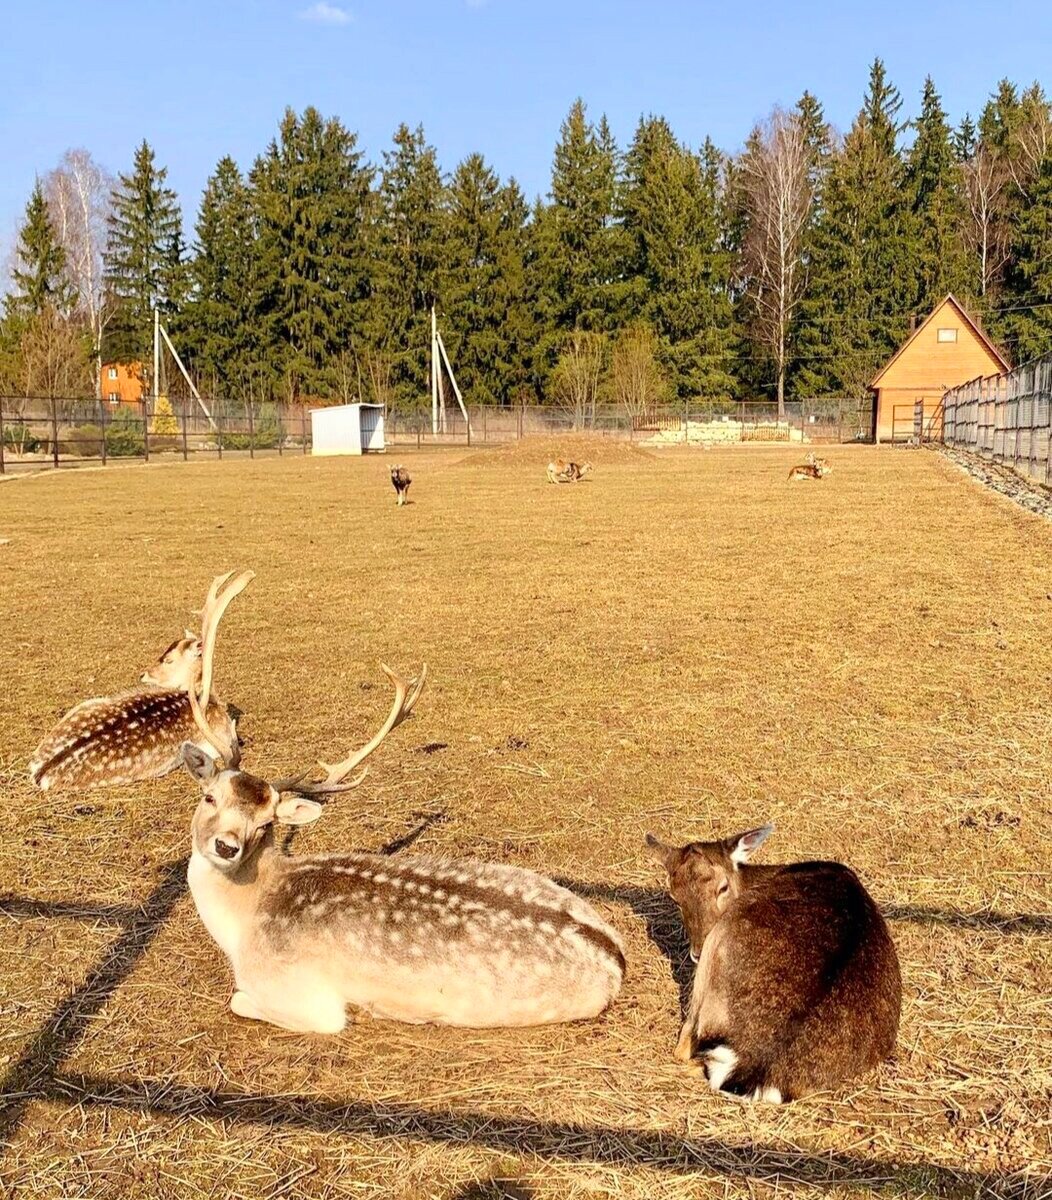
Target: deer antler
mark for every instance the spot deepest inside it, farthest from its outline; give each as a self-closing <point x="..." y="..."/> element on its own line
<point x="219" y="596"/>
<point x="407" y="692"/>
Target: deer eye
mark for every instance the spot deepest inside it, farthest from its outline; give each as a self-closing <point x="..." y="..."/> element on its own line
<point x="723" y="887"/>
<point x="209" y="799"/>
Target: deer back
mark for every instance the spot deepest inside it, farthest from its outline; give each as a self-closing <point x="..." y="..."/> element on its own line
<point x="428" y="939"/>
<point x="801" y="979"/>
<point x="136" y="734"/>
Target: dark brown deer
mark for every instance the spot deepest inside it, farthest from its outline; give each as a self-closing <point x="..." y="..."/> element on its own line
<point x="401" y="481"/>
<point x="139" y="733"/>
<point x="414" y="938"/>
<point x="797" y="987"/>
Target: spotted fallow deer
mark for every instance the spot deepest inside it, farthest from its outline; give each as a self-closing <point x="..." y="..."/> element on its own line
<point x="139" y="733"/>
<point x="797" y="986"/>
<point x="561" y="470"/>
<point x="413" y="938"/>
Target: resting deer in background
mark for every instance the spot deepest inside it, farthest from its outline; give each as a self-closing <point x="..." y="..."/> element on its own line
<point x="413" y="938"/>
<point x="401" y="480"/>
<point x="797" y="987"/>
<point x="562" y="471"/>
<point x="139" y="733"/>
<point x="822" y="464"/>
<point x="805" y="471"/>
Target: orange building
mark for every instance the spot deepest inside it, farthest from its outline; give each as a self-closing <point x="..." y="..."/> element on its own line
<point x="122" y="383"/>
<point x="947" y="349"/>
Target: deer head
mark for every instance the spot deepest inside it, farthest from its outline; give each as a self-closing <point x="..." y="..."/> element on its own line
<point x="704" y="878"/>
<point x="179" y="667"/>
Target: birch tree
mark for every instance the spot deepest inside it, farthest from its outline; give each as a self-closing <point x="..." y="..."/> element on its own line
<point x="78" y="193"/>
<point x="776" y="195"/>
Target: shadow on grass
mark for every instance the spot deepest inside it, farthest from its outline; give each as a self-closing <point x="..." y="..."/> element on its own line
<point x="554" y="1141"/>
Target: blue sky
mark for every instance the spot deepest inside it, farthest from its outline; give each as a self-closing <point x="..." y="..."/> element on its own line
<point x="203" y="78"/>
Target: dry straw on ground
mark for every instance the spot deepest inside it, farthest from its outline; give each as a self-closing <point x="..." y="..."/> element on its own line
<point x="684" y="642"/>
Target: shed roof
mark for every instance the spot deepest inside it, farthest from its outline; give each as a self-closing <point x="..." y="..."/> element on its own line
<point x="968" y="320"/>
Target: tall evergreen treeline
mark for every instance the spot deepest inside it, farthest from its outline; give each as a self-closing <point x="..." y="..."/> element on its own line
<point x="791" y="269"/>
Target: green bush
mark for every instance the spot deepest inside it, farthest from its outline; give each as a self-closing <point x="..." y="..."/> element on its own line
<point x="124" y="437"/>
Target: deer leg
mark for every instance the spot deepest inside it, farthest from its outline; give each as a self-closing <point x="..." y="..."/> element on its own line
<point x="319" y="1015"/>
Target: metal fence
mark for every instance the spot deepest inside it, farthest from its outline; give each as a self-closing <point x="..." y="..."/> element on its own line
<point x="1004" y="418"/>
<point x="39" y="433"/>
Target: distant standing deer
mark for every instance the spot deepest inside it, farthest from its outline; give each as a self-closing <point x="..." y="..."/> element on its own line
<point x="401" y="480"/>
<point x="414" y="938"/>
<point x="562" y="471"/>
<point x="797" y="987"/>
<point x="139" y="733"/>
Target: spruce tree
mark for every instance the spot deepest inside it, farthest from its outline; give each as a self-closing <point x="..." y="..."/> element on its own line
<point x="219" y="324"/>
<point x="861" y="284"/>
<point x="934" y="184"/>
<point x="39" y="276"/>
<point x="676" y="264"/>
<point x="583" y="243"/>
<point x="486" y="322"/>
<point x="311" y="199"/>
<point x="144" y="263"/>
<point x="408" y="236"/>
<point x="1028" y="325"/>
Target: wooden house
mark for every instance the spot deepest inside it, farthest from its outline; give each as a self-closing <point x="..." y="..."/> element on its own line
<point x="122" y="382"/>
<point x="946" y="349"/>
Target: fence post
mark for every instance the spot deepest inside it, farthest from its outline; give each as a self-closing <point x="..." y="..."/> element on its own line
<point x="3" y="467"/>
<point x="521" y="411"/>
<point x="145" y="431"/>
<point x="303" y="428"/>
<point x="185" y="447"/>
<point x="251" y="433"/>
<point x="102" y="426"/>
<point x="218" y="410"/>
<point x="686" y="421"/>
<point x="54" y="431"/>
<point x="484" y="435"/>
<point x="279" y="409"/>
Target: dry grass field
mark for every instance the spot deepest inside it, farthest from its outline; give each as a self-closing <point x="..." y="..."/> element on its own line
<point x="684" y="643"/>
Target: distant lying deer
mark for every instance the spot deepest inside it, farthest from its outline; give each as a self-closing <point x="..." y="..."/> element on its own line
<point x="562" y="471"/>
<point x="797" y="987"/>
<point x="805" y="471"/>
<point x="139" y="733"/>
<point x="401" y="480"/>
<point x="414" y="938"/>
<point x="814" y="461"/>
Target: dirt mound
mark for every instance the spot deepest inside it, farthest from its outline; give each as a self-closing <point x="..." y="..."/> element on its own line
<point x="540" y="449"/>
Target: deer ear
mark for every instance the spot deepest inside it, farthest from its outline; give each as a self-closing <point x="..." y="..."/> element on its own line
<point x="669" y="856"/>
<point x="742" y="846"/>
<point x="201" y="766"/>
<point x="297" y="810"/>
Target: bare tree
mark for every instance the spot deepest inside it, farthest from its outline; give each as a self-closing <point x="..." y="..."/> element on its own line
<point x="635" y="375"/>
<point x="577" y="376"/>
<point x="378" y="368"/>
<point x="986" y="179"/>
<point x="777" y="197"/>
<point x="55" y="362"/>
<point x="78" y="193"/>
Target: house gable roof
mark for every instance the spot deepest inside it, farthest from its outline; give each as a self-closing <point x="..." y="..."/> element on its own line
<point x="965" y="317"/>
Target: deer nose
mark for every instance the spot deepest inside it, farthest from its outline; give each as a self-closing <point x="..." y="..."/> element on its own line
<point x="226" y="850"/>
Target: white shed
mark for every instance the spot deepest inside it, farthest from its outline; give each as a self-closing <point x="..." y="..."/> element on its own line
<point x="347" y="429"/>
